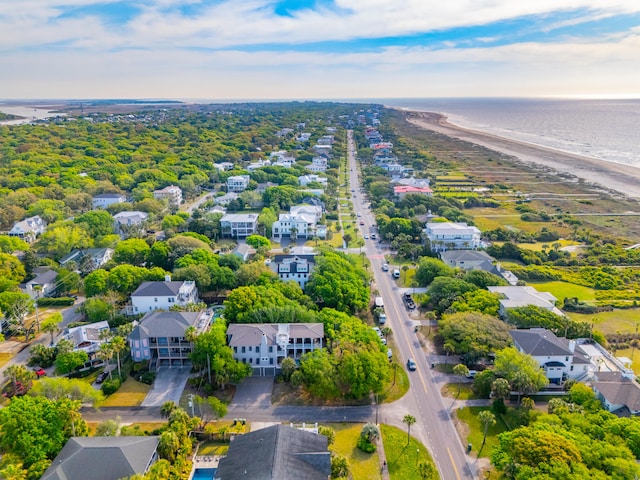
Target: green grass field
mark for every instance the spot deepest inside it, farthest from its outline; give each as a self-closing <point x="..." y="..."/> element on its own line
<point x="475" y="430"/>
<point x="397" y="390"/>
<point x="623" y="321"/>
<point x="362" y="466"/>
<point x="130" y="394"/>
<point x="402" y="458"/>
<point x="561" y="290"/>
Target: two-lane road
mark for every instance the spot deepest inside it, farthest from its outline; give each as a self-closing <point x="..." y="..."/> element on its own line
<point x="434" y="426"/>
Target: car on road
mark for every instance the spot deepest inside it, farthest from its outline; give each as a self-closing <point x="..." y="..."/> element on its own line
<point x="385" y="267"/>
<point x="102" y="377"/>
<point x="361" y="222"/>
<point x="359" y="214"/>
<point x="366" y="237"/>
<point x="411" y="365"/>
<point x="39" y="371"/>
<point x="373" y="236"/>
<point x="472" y="373"/>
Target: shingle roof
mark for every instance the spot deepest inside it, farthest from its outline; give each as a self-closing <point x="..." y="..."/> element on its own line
<point x="165" y="324"/>
<point x="246" y="334"/>
<point x="158" y="289"/>
<point x="540" y="342"/>
<point x="618" y="390"/>
<point x="279" y="453"/>
<point x="102" y="458"/>
<point x="466" y="256"/>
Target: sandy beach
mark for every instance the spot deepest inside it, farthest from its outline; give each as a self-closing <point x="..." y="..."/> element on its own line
<point x="624" y="179"/>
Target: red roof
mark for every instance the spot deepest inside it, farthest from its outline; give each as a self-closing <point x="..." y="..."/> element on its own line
<point x="409" y="189"/>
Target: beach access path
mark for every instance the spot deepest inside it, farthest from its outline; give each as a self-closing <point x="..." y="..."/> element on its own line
<point x="619" y="177"/>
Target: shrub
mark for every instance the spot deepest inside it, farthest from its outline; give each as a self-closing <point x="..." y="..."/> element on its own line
<point x="147" y="377"/>
<point x="365" y="445"/>
<point x="56" y="302"/>
<point x="111" y="385"/>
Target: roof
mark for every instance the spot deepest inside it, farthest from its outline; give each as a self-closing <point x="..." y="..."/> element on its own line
<point x="277" y="452"/>
<point x="523" y="296"/>
<point x="540" y="342"/>
<point x="245" y="334"/>
<point x="618" y="390"/>
<point x="158" y="289"/>
<point x="102" y="458"/>
<point x="451" y="228"/>
<point x="240" y="217"/>
<point x="465" y="256"/>
<point x="46" y="277"/>
<point x="110" y="195"/>
<point x="166" y="324"/>
<point x="411" y="189"/>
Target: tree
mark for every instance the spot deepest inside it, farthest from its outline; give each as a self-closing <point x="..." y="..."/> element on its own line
<point x="69" y="361"/>
<point x="108" y="428"/>
<point x="487" y="419"/>
<point x="106" y="354"/>
<point x="168" y="408"/>
<point x="462" y="371"/>
<point x="339" y="467"/>
<point x="133" y="251"/>
<point x="430" y="268"/>
<point x="520" y="370"/>
<point x="427" y="471"/>
<point x="443" y="291"/>
<point x="50" y="325"/>
<point x="409" y="420"/>
<point x="16" y="306"/>
<point x="328" y="432"/>
<point x="482" y="279"/>
<point x="258" y="241"/>
<point x="18" y="375"/>
<point x="11" y="268"/>
<point x="71" y="388"/>
<point x="118" y="344"/>
<point x="287" y="367"/>
<point x="501" y="389"/>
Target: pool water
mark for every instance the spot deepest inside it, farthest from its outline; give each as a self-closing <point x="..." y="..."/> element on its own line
<point x="204" y="474"/>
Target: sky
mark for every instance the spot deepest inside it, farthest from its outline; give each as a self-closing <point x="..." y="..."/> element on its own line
<point x="323" y="49"/>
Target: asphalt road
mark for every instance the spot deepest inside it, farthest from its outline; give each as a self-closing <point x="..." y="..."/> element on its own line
<point x="434" y="426"/>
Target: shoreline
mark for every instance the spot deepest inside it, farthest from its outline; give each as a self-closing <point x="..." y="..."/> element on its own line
<point x="624" y="179"/>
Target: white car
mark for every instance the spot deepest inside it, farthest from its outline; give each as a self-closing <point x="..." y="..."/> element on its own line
<point x="366" y="237"/>
<point x="359" y="214"/>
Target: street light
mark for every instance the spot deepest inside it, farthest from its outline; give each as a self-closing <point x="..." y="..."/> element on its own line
<point x="417" y="454"/>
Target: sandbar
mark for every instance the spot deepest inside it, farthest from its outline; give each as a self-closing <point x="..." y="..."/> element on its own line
<point x="624" y="179"/>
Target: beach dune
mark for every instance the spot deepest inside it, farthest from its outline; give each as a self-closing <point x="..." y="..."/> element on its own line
<point x="621" y="178"/>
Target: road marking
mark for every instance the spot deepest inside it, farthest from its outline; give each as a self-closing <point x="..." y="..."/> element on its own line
<point x="453" y="464"/>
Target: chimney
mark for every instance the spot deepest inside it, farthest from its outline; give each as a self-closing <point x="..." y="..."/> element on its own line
<point x="572" y="345"/>
<point x="167" y="278"/>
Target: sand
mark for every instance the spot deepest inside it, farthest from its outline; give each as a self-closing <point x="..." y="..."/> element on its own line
<point x="621" y="178"/>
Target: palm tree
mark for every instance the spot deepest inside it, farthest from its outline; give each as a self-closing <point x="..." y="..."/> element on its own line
<point x="190" y="334"/>
<point x="460" y="370"/>
<point x="106" y="354"/>
<point x="409" y="420"/>
<point x="50" y="325"/>
<point x="118" y="344"/>
<point x="168" y="408"/>
<point x="487" y="418"/>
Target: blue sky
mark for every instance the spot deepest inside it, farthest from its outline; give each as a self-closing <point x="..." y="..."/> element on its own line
<point x="337" y="49"/>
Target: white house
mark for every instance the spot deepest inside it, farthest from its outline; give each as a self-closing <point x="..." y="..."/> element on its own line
<point x="125" y="222"/>
<point x="238" y="225"/>
<point x="305" y="180"/>
<point x="88" y="338"/>
<point x="515" y="296"/>
<point x="293" y="267"/>
<point x="172" y="194"/>
<point x="42" y="285"/>
<point x="619" y="393"/>
<point x="452" y="236"/>
<point x="238" y="183"/>
<point x="300" y="222"/>
<point x="103" y="200"/>
<point x="150" y="296"/>
<point x="225" y="199"/>
<point x="223" y="166"/>
<point x="28" y="229"/>
<point x="318" y="164"/>
<point x="259" y="164"/>
<point x="559" y="358"/>
<point x="264" y="346"/>
<point x="97" y="256"/>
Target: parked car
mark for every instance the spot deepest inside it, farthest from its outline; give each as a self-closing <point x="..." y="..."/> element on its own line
<point x="411" y="365"/>
<point x="39" y="371"/>
<point x="102" y="377"/>
<point x="385" y="267"/>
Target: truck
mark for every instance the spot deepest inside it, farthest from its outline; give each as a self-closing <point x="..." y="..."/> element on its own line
<point x="396" y="273"/>
<point x="378" y="302"/>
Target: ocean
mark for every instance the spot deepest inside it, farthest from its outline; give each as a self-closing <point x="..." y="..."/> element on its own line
<point x="603" y="129"/>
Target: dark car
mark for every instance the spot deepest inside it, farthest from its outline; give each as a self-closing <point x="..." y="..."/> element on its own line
<point x="102" y="377"/>
<point x="411" y="365"/>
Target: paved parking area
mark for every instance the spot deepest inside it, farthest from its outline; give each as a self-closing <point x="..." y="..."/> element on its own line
<point x="168" y="386"/>
<point x="253" y="392"/>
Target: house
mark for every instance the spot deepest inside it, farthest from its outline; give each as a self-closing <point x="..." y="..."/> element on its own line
<point x="43" y="285"/>
<point x="559" y="358"/>
<point x="318" y="164"/>
<point x="97" y="257"/>
<point x="225" y="199"/>
<point x="244" y="251"/>
<point x="618" y="393"/>
<point x="238" y="183"/>
<point x="150" y="296"/>
<point x="129" y="221"/>
<point x="223" y="166"/>
<point x="305" y="180"/>
<point x="412" y="182"/>
<point x="515" y="296"/>
<point x="103" y="458"/>
<point x="103" y="200"/>
<point x="160" y="337"/>
<point x="452" y="236"/>
<point x="293" y="267"/>
<point x="88" y="338"/>
<point x="326" y="140"/>
<point x="259" y="164"/>
<point x="28" y="229"/>
<point x="238" y="225"/>
<point x="303" y="137"/>
<point x="172" y="194"/>
<point x="326" y="149"/>
<point x="300" y="222"/>
<point x="262" y="187"/>
<point x="283" y="132"/>
<point x="265" y="345"/>
<point x="476" y="260"/>
<point x="401" y="191"/>
<point x="278" y="452"/>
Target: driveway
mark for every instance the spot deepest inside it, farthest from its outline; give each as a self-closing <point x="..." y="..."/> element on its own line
<point x="253" y="392"/>
<point x="168" y="386"/>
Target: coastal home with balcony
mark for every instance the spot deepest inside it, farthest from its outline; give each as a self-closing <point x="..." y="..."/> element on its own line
<point x="130" y="221"/>
<point x="160" y="337"/>
<point x="305" y="180"/>
<point x="559" y="358"/>
<point x="88" y="338"/>
<point x="93" y="257"/>
<point x="172" y="194"/>
<point x="264" y="345"/>
<point x="28" y="229"/>
<point x="452" y="236"/>
<point x="517" y="296"/>
<point x="238" y="225"/>
<point x="238" y="183"/>
<point x="103" y="200"/>
<point x="323" y="149"/>
<point x="293" y="267"/>
<point x="300" y="222"/>
<point x="318" y="164"/>
<point x="150" y="296"/>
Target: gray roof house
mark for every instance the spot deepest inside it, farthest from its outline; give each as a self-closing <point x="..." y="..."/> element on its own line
<point x="278" y="452"/>
<point x="103" y="458"/>
<point x="512" y="297"/>
<point x="42" y="285"/>
<point x="476" y="260"/>
<point x="618" y="393"/>
<point x="151" y="296"/>
<point x="28" y="229"/>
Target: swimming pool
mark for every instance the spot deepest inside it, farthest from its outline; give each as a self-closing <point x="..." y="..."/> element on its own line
<point x="204" y="474"/>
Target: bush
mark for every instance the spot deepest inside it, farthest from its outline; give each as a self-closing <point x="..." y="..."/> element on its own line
<point x="56" y="302"/>
<point x="365" y="445"/>
<point x="147" y="377"/>
<point x="111" y="385"/>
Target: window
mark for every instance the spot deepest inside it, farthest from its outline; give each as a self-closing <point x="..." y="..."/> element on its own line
<point x="251" y="360"/>
<point x="155" y="299"/>
<point x="271" y="361"/>
<point x="257" y="349"/>
<point x="244" y="349"/>
<point x="235" y="349"/>
<point x="270" y="349"/>
<point x="250" y="348"/>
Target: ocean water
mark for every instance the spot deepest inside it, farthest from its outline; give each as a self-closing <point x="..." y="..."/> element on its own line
<point x="604" y="129"/>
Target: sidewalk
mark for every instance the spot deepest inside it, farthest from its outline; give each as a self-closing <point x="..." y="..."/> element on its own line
<point x="382" y="458"/>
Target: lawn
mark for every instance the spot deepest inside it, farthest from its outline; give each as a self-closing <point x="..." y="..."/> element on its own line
<point x="623" y="321"/>
<point x="398" y="389"/>
<point x="130" y="394"/>
<point x="362" y="465"/>
<point x="213" y="448"/>
<point x="562" y="290"/>
<point x="630" y="353"/>
<point x="475" y="430"/>
<point x="466" y="392"/>
<point x="403" y="458"/>
<point x="4" y="358"/>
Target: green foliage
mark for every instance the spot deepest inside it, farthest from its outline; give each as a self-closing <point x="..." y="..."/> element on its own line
<point x="474" y="335"/>
<point x="11" y="268"/>
<point x="365" y="445"/>
<point x="339" y="467"/>
<point x="67" y="362"/>
<point x="444" y="291"/>
<point x="482" y="279"/>
<point x="532" y="316"/>
<point x="133" y="251"/>
<point x="521" y="371"/>
<point x="258" y="241"/>
<point x="56" y="301"/>
<point x="111" y="385"/>
<point x="430" y="268"/>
